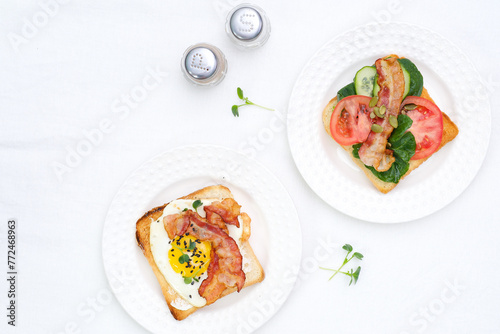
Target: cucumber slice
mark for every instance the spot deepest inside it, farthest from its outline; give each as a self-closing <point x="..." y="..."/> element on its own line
<point x="407" y="81"/>
<point x="376" y="87"/>
<point x="364" y="79"/>
<point x="416" y="81"/>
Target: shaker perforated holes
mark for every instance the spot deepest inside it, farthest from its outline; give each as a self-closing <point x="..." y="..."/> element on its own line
<point x="248" y="26"/>
<point x="204" y="64"/>
<point x="246" y="23"/>
<point x="201" y="63"/>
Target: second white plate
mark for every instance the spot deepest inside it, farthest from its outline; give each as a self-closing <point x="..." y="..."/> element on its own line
<point x="276" y="239"/>
<point x="450" y="79"/>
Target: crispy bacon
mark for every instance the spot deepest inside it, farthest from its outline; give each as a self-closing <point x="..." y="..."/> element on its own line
<point x="216" y="220"/>
<point x="175" y="224"/>
<point x="374" y="151"/>
<point x="228" y="210"/>
<point x="211" y="288"/>
<point x="225" y="268"/>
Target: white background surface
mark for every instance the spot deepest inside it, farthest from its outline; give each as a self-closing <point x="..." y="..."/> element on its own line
<point x="434" y="275"/>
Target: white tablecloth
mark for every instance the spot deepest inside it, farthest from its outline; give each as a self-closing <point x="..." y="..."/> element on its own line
<point x="92" y="89"/>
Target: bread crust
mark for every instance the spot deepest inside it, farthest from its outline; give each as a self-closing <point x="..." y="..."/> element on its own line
<point x="450" y="131"/>
<point x="254" y="274"/>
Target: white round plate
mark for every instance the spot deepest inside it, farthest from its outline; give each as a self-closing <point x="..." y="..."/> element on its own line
<point x="452" y="82"/>
<point x="276" y="239"/>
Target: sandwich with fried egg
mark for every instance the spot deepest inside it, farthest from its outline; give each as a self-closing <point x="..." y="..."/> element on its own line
<point x="198" y="249"/>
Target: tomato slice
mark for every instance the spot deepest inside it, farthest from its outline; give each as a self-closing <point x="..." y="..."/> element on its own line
<point x="427" y="127"/>
<point x="351" y="123"/>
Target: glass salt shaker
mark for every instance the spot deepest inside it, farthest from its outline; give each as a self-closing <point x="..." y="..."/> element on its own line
<point x="204" y="64"/>
<point x="248" y="26"/>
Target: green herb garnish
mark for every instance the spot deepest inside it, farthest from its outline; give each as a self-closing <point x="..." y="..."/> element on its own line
<point x="354" y="275"/>
<point x="235" y="108"/>
<point x="189" y="279"/>
<point x="197" y="204"/>
<point x="184" y="258"/>
<point x="192" y="245"/>
<point x="185" y="209"/>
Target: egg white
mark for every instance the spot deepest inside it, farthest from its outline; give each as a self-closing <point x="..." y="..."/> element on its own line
<point x="160" y="246"/>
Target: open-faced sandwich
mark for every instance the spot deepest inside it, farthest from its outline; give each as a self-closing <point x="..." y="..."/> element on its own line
<point x="387" y="121"/>
<point x="198" y="249"/>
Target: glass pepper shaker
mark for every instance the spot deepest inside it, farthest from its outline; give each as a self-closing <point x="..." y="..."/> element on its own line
<point x="204" y="64"/>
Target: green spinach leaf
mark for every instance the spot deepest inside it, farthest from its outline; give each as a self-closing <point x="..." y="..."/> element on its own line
<point x="346" y="91"/>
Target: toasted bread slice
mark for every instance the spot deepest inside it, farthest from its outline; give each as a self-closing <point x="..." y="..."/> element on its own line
<point x="252" y="268"/>
<point x="450" y="131"/>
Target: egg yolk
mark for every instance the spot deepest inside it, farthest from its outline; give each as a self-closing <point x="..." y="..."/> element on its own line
<point x="189" y="256"/>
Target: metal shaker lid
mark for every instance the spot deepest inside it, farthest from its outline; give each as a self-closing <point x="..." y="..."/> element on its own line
<point x="246" y="23"/>
<point x="201" y="63"/>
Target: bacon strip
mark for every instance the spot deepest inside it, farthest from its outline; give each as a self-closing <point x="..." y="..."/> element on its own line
<point x="175" y="224"/>
<point x="216" y="220"/>
<point x="211" y="288"/>
<point x="228" y="210"/>
<point x="225" y="268"/>
<point x="374" y="150"/>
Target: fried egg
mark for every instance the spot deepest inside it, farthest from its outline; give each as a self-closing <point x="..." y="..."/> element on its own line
<point x="183" y="260"/>
<point x="189" y="257"/>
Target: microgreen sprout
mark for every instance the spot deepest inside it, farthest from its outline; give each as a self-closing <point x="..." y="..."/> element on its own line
<point x="235" y="108"/>
<point x="353" y="274"/>
<point x="197" y="204"/>
<point x="184" y="258"/>
<point x="189" y="279"/>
